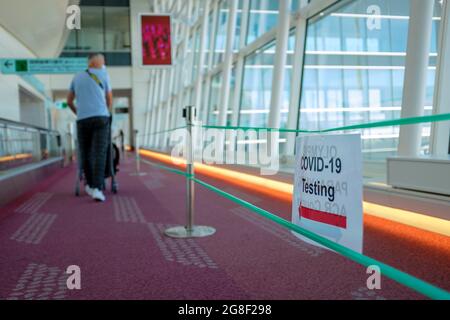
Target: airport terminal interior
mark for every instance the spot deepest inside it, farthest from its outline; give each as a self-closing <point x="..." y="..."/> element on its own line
<point x="266" y="149"/>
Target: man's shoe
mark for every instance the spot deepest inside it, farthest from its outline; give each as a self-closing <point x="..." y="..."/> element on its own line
<point x="97" y="195"/>
<point x="89" y="190"/>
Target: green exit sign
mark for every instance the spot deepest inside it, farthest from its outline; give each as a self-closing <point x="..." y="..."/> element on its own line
<point x="21" y="65"/>
<point x="61" y="105"/>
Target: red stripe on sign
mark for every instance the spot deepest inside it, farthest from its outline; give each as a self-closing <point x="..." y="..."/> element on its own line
<point x="323" y="217"/>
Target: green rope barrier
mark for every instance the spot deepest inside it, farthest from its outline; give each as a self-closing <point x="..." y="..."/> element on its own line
<point x="390" y="272"/>
<point x="164" y="131"/>
<point x="380" y="124"/>
<point x="160" y="166"/>
<point x="401" y="277"/>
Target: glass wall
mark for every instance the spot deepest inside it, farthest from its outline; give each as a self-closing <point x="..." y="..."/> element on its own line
<point x="221" y="33"/>
<point x="187" y="72"/>
<point x="196" y="54"/>
<point x="257" y="87"/>
<point x="104" y="29"/>
<point x="214" y="99"/>
<point x="263" y="17"/>
<point x="287" y="82"/>
<point x="210" y="38"/>
<point x="231" y="96"/>
<point x="22" y="144"/>
<point x="91" y="36"/>
<point x="237" y="30"/>
<point x="354" y="71"/>
<point x="117" y="29"/>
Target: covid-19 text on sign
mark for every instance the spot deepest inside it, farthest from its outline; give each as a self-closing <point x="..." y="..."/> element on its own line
<point x="327" y="196"/>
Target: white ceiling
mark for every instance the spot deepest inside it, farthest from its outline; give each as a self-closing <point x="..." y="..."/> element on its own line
<point x="40" y="25"/>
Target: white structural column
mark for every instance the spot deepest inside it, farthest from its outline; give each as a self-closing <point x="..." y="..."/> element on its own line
<point x="440" y="144"/>
<point x="228" y="63"/>
<point x="168" y="107"/>
<point x="215" y="13"/>
<point x="170" y="104"/>
<point x="414" y="89"/>
<point x="149" y="105"/>
<point x="157" y="9"/>
<point x="240" y="64"/>
<point x="205" y="107"/>
<point x="184" y="55"/>
<point x="177" y="67"/>
<point x="280" y="64"/>
<point x="154" y="108"/>
<point x="159" y="119"/>
<point x="139" y="76"/>
<point x="262" y="15"/>
<point x="187" y="66"/>
<point x="296" y="81"/>
<point x="202" y="58"/>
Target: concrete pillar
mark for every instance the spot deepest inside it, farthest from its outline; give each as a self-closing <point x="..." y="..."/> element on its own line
<point x="240" y="64"/>
<point x="280" y="64"/>
<point x="440" y="134"/>
<point x="205" y="108"/>
<point x="154" y="109"/>
<point x="228" y="63"/>
<point x="414" y="89"/>
<point x="202" y="59"/>
<point x="147" y="129"/>
<point x="296" y="82"/>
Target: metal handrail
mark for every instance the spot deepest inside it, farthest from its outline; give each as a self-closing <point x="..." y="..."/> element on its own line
<point x="21" y="126"/>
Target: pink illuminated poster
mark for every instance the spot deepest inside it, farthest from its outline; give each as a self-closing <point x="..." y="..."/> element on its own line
<point x="156" y="40"/>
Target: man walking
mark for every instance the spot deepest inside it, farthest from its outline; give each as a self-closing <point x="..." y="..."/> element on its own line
<point x="93" y="94"/>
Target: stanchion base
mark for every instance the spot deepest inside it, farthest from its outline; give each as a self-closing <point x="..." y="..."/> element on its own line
<point x="138" y="174"/>
<point x="196" y="232"/>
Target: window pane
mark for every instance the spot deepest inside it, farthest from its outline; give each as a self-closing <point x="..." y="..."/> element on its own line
<point x="209" y="38"/>
<point x="71" y="44"/>
<point x="221" y="34"/>
<point x="263" y="17"/>
<point x="91" y="37"/>
<point x="237" y="30"/>
<point x="257" y="87"/>
<point x="196" y="54"/>
<point x="117" y="29"/>
<point x="354" y="72"/>
<point x="214" y="99"/>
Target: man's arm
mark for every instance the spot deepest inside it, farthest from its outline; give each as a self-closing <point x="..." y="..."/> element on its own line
<point x="71" y="102"/>
<point x="109" y="100"/>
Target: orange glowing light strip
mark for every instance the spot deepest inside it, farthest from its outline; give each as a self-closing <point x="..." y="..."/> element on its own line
<point x="277" y="189"/>
<point x="19" y="156"/>
<point x="284" y="191"/>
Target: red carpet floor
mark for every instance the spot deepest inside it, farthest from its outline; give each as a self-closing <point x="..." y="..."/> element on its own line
<point x="122" y="252"/>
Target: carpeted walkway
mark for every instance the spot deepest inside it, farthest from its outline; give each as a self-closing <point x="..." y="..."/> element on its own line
<point x="122" y="252"/>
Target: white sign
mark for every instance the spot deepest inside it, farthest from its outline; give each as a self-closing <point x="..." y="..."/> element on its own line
<point x="327" y="196"/>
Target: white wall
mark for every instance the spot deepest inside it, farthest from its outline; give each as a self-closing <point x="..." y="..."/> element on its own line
<point x="10" y="47"/>
<point x="29" y="29"/>
<point x="140" y="77"/>
<point x="40" y="25"/>
<point x="32" y="109"/>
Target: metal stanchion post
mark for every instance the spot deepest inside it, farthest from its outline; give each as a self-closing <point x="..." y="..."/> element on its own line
<point x="138" y="156"/>
<point x="190" y="230"/>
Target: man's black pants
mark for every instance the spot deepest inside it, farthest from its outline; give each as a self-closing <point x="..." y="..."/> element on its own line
<point x="93" y="140"/>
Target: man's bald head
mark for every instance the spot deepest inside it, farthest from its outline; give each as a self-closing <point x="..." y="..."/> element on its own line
<point x="96" y="60"/>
